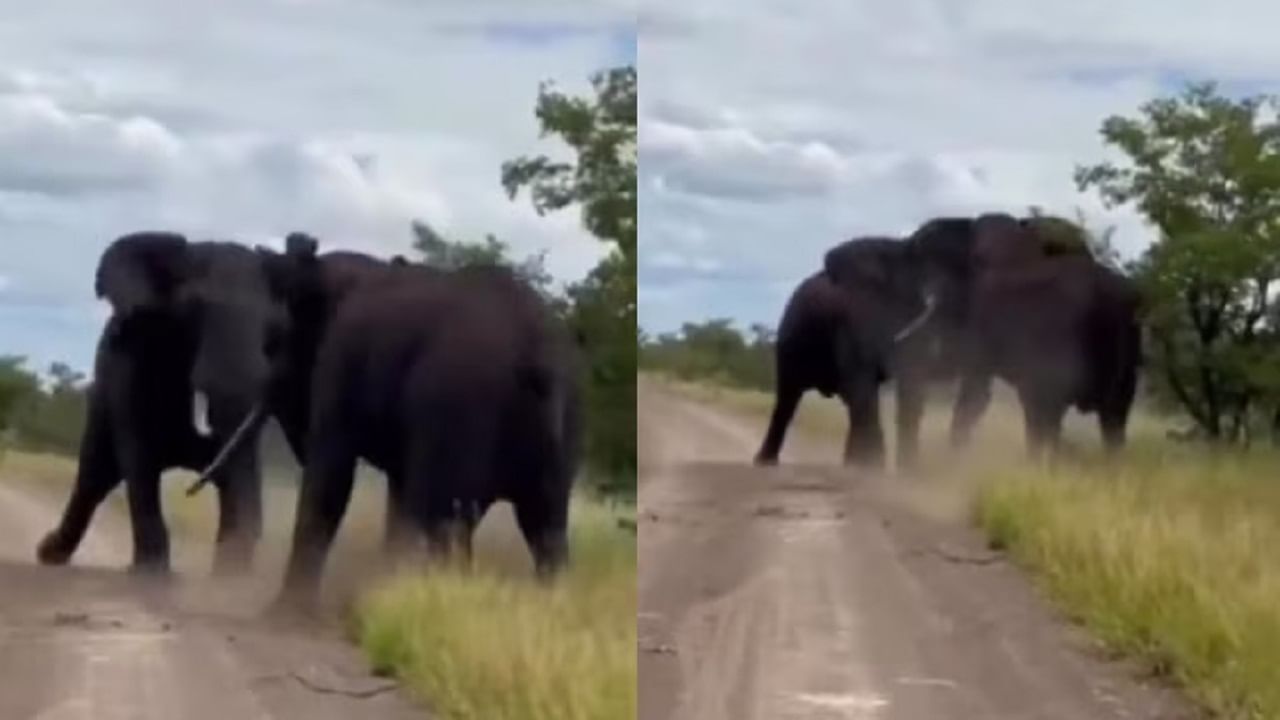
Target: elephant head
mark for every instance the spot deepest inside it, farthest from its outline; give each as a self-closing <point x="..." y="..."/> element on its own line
<point x="954" y="251"/>
<point x="294" y="303"/>
<point x="215" y="298"/>
<point x="888" y="270"/>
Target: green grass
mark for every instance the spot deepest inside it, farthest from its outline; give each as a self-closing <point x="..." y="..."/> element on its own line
<point x="1170" y="555"/>
<point x="493" y="644"/>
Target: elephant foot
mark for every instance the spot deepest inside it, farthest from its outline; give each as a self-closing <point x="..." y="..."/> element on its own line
<point x="232" y="560"/>
<point x="291" y="606"/>
<point x="762" y="460"/>
<point x="54" y="549"/>
<point x="151" y="568"/>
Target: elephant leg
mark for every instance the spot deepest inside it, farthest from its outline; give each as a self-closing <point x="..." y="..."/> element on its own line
<point x="545" y="528"/>
<point x="910" y="407"/>
<point x="785" y="402"/>
<point x="326" y="490"/>
<point x="1043" y="416"/>
<point x="97" y="475"/>
<point x="150" y="536"/>
<point x="399" y="533"/>
<point x="1113" y="411"/>
<point x="239" y="516"/>
<point x="972" y="399"/>
<point x="864" y="444"/>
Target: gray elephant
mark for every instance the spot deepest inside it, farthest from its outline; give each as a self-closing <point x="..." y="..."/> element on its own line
<point x="883" y="308"/>
<point x="177" y="374"/>
<point x="1062" y="329"/>
<point x="461" y="386"/>
<point x="845" y="331"/>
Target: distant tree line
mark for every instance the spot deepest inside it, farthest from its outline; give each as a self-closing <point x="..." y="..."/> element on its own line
<point x="41" y="414"/>
<point x="714" y="351"/>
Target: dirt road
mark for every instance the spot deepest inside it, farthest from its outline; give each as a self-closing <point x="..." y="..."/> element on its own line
<point x="806" y="592"/>
<point x="87" y="642"/>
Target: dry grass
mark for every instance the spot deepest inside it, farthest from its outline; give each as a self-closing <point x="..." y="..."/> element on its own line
<point x="493" y="644"/>
<point x="1167" y="557"/>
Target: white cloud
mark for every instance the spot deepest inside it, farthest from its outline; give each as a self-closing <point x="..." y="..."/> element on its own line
<point x="771" y="130"/>
<point x="246" y="119"/>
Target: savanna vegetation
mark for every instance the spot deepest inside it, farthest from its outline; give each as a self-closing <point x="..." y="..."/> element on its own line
<point x="1163" y="553"/>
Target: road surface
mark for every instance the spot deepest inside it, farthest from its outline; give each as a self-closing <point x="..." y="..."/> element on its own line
<point x="88" y="642"/>
<point x="806" y="592"/>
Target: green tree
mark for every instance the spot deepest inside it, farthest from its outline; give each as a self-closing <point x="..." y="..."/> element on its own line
<point x="601" y="133"/>
<point x="17" y="387"/>
<point x="1204" y="169"/>
<point x="438" y="251"/>
<point x="716" y="351"/>
<point x="53" y="420"/>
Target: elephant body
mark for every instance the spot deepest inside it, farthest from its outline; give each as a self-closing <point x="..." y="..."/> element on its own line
<point x="837" y="336"/>
<point x="1063" y="332"/>
<point x="460" y="387"/>
<point x="959" y="297"/>
<point x="173" y="332"/>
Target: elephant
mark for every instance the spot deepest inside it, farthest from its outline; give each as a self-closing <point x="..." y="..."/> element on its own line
<point x="1063" y="331"/>
<point x="872" y="295"/>
<point x="176" y="375"/>
<point x="460" y="386"/>
<point x="838" y="336"/>
<point x="1061" y="328"/>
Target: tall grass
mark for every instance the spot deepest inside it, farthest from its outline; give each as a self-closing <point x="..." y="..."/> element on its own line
<point x="1168" y="557"/>
<point x="493" y="644"/>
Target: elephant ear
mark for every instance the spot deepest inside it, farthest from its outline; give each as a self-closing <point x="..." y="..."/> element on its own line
<point x="292" y="273"/>
<point x="142" y="271"/>
<point x="946" y="243"/>
<point x="856" y="262"/>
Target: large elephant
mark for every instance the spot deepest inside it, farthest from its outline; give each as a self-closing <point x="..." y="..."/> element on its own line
<point x="177" y="372"/>
<point x="873" y="291"/>
<point x="1061" y="328"/>
<point x="460" y="386"/>
<point x="838" y="336"/>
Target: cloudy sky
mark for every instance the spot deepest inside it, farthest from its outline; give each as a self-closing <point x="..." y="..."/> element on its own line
<point x="246" y="119"/>
<point x="771" y="130"/>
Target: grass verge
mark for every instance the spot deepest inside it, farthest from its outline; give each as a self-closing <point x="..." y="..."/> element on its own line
<point x="1168" y="557"/>
<point x="493" y="644"/>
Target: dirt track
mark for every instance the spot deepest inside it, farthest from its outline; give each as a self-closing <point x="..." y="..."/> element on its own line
<point x="806" y="592"/>
<point x="88" y="642"/>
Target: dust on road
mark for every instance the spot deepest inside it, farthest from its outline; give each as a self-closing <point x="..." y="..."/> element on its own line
<point x="804" y="591"/>
<point x="89" y="642"/>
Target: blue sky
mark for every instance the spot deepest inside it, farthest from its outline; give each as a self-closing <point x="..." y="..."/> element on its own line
<point x="770" y="130"/>
<point x="247" y="119"/>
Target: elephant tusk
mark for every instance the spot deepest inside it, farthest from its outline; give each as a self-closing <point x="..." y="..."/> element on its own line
<point x="200" y="414"/>
<point x="251" y="419"/>
<point x="930" y="303"/>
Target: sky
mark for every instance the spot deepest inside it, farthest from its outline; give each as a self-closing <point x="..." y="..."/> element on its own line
<point x="771" y="130"/>
<point x="248" y="119"/>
